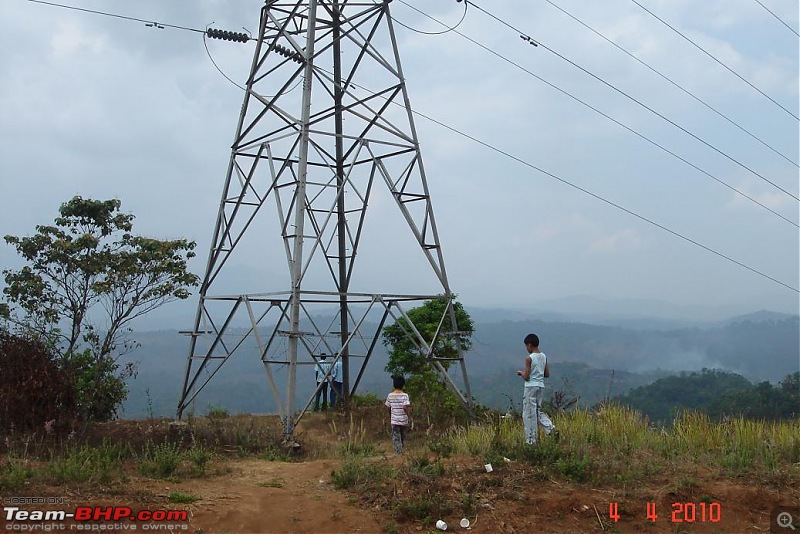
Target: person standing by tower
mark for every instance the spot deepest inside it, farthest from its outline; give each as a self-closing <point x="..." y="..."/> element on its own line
<point x="336" y="381"/>
<point x="399" y="407"/>
<point x="322" y="376"/>
<point x="536" y="370"/>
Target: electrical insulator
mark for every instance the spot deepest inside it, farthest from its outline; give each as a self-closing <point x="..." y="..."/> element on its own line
<point x="214" y="33"/>
<point x="286" y="52"/>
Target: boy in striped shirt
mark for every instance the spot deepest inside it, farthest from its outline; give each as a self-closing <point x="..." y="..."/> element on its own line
<point x="399" y="406"/>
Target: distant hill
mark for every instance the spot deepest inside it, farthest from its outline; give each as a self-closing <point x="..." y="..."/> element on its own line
<point x="758" y="346"/>
<point x="760" y="316"/>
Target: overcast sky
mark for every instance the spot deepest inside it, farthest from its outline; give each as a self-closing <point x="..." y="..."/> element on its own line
<point x="103" y="107"/>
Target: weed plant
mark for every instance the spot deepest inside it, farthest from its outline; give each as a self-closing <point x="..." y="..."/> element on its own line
<point x="160" y="460"/>
<point x="424" y="466"/>
<point x="355" y="443"/>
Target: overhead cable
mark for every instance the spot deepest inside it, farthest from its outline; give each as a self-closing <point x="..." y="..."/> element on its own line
<point x="149" y="23"/>
<point x="496" y="149"/>
<point x="526" y="163"/>
<point x="615" y="121"/>
<point x="779" y="19"/>
<point x="712" y="56"/>
<point x="605" y="200"/>
<point x="640" y="103"/>
<point x="670" y="80"/>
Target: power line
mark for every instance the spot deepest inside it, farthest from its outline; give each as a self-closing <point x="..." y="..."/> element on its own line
<point x="640" y="103"/>
<point x="526" y="163"/>
<point x="602" y="199"/>
<point x="494" y="148"/>
<point x="664" y="76"/>
<point x="779" y="19"/>
<point x="709" y="54"/>
<point x="150" y="23"/>
<point x="737" y="191"/>
<point x="612" y="119"/>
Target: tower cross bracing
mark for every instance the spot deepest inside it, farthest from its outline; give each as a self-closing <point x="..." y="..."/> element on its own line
<point x="325" y="122"/>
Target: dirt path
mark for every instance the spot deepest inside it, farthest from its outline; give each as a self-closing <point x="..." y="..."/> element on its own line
<point x="258" y="496"/>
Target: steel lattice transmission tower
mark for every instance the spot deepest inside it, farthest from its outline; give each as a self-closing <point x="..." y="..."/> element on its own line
<point x="326" y="120"/>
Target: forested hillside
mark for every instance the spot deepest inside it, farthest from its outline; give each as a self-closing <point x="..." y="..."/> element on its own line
<point x="582" y="357"/>
<point x="718" y="394"/>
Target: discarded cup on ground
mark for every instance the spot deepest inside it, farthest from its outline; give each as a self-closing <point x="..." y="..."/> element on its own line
<point x="488" y="468"/>
<point x="441" y="525"/>
<point x="464" y="523"/>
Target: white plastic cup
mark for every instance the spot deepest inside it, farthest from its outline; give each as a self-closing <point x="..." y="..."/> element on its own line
<point x="464" y="523"/>
<point x="441" y="525"/>
<point x="488" y="468"/>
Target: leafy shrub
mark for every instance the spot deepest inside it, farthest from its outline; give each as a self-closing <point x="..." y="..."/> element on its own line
<point x="99" y="384"/>
<point x="35" y="390"/>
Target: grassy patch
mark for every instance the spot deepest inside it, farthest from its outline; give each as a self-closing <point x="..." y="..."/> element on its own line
<point x="241" y="435"/>
<point x="88" y="464"/>
<point x="357" y="472"/>
<point x="424" y="466"/>
<point x="356" y="442"/>
<point x="14" y="473"/>
<point x="276" y="482"/>
<point x="177" y="497"/>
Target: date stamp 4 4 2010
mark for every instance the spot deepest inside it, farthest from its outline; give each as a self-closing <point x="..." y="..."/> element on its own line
<point x="678" y="512"/>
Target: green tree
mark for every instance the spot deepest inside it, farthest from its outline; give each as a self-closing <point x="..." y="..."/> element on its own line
<point x="87" y="278"/>
<point x="406" y="358"/>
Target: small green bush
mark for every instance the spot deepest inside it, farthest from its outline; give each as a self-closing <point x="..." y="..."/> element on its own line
<point x="160" y="460"/>
<point x="181" y="498"/>
<point x="199" y="456"/>
<point x="423" y="466"/>
<point x="216" y="412"/>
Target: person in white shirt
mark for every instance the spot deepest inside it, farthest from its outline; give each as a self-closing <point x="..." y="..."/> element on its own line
<point x="336" y="382"/>
<point x="536" y="370"/>
<point x="399" y="407"/>
<point x="321" y="372"/>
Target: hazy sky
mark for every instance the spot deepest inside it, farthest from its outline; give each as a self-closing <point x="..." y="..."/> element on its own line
<point x="103" y="107"/>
